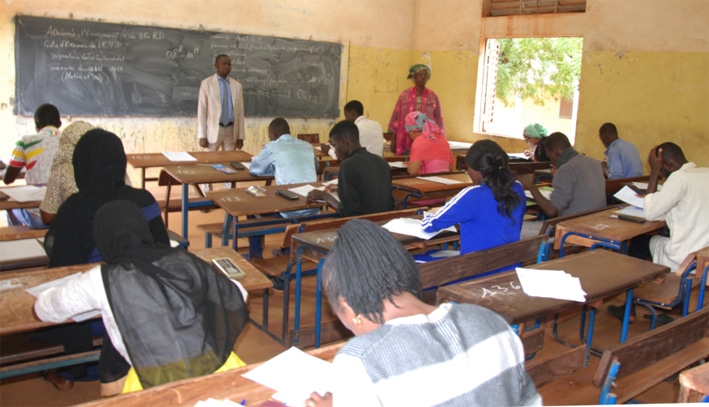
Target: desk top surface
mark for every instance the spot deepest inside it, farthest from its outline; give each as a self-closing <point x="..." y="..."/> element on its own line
<point x="195" y="174"/>
<point x="10" y="203"/>
<point x="601" y="225"/>
<point x="602" y="273"/>
<point x="238" y="202"/>
<point x="416" y="184"/>
<point x="16" y="305"/>
<point x="146" y="160"/>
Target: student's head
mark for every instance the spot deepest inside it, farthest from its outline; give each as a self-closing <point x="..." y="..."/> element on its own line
<point x="222" y="63"/>
<point x="70" y="136"/>
<point x="120" y="226"/>
<point x="99" y="161"/>
<point x="417" y="123"/>
<point x="278" y="127"/>
<point x="487" y="164"/>
<point x="419" y="74"/>
<point x="46" y="115"/>
<point x="366" y="267"/>
<point x="534" y="133"/>
<point x="556" y="144"/>
<point x="672" y="158"/>
<point x="608" y="133"/>
<point x="344" y="138"/>
<point x="353" y="110"/>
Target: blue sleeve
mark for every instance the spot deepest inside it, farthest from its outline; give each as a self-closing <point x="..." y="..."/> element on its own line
<point x="453" y="212"/>
<point x="615" y="164"/>
<point x="262" y="164"/>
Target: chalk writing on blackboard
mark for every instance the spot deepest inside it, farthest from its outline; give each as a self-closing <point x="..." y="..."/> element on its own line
<point x="89" y="68"/>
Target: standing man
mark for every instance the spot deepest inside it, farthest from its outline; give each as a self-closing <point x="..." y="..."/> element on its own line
<point x="364" y="179"/>
<point x="622" y="158"/>
<point x="370" y="132"/>
<point x="578" y="183"/>
<point x="290" y="161"/>
<point x="36" y="152"/>
<point x="681" y="203"/>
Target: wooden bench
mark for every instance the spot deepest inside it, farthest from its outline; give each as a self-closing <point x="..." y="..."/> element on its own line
<point x="633" y="367"/>
<point x="449" y="270"/>
<point x="23" y="355"/>
<point x="20" y="232"/>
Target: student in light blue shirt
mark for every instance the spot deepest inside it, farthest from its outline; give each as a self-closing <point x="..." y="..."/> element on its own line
<point x="622" y="158"/>
<point x="290" y="161"/>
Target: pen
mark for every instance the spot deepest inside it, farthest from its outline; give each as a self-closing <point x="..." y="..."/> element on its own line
<point x="243" y="402"/>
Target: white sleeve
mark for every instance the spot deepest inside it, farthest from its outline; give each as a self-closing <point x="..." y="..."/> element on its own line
<point x="659" y="203"/>
<point x="76" y="296"/>
<point x="351" y="383"/>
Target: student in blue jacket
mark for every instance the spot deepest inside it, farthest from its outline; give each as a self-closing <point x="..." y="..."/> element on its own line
<point x="490" y="211"/>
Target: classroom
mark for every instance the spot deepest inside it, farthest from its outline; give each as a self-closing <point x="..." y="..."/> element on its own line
<point x="644" y="66"/>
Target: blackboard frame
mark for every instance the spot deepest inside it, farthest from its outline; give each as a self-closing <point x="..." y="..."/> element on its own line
<point x="100" y="69"/>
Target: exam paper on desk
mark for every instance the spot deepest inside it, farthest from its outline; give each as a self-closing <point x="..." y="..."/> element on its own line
<point x="21" y="249"/>
<point x="550" y="284"/>
<point x="627" y="195"/>
<point x="179" y="156"/>
<point x="303" y="190"/>
<point x="441" y="180"/>
<point x="38" y="289"/>
<point x="26" y="193"/>
<point x="294" y="375"/>
<point x="412" y="227"/>
<point x="632" y="211"/>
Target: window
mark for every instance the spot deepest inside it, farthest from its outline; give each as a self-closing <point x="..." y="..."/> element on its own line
<point x="494" y="8"/>
<point x="529" y="80"/>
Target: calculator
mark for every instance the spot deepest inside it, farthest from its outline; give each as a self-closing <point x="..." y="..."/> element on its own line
<point x="227" y="266"/>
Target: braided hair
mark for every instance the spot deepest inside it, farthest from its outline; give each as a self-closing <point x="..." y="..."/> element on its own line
<point x="490" y="160"/>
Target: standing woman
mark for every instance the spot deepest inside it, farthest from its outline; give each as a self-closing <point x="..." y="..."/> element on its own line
<point x="490" y="212"/>
<point x="417" y="98"/>
<point x="430" y="151"/>
<point x="533" y="135"/>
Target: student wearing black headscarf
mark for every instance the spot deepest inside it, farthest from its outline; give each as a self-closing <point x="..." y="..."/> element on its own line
<point x="99" y="169"/>
<point x="168" y="314"/>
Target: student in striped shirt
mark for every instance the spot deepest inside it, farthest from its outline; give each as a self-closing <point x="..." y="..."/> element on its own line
<point x="406" y="352"/>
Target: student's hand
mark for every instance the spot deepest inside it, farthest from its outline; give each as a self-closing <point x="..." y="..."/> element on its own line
<point x="331" y="188"/>
<point x="655" y="159"/>
<point x="203" y="142"/>
<point x="317" y="400"/>
<point x="527" y="181"/>
<point x="325" y="148"/>
<point x="528" y="153"/>
<point x="315" y="195"/>
<point x="239" y="143"/>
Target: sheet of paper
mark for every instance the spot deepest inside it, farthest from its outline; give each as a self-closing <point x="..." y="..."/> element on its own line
<point x="178" y="156"/>
<point x="550" y="284"/>
<point x="441" y="180"/>
<point x="319" y="148"/>
<point x="397" y="164"/>
<point x="545" y="191"/>
<point x="518" y="155"/>
<point x="632" y="211"/>
<point x="246" y="164"/>
<point x="21" y="249"/>
<point x="303" y="190"/>
<point x="627" y="195"/>
<point x="459" y="145"/>
<point x="38" y="289"/>
<point x="643" y="185"/>
<point x="294" y="374"/>
<point x="26" y="193"/>
<point x="412" y="227"/>
<point x="210" y="402"/>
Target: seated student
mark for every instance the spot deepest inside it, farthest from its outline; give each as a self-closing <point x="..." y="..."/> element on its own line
<point x="490" y="212"/>
<point x="61" y="184"/>
<point x="168" y="314"/>
<point x="681" y="203"/>
<point x="622" y="158"/>
<point x="406" y="352"/>
<point x="430" y="151"/>
<point x="364" y="179"/>
<point x="36" y="153"/>
<point x="99" y="171"/>
<point x="534" y="135"/>
<point x="579" y="184"/>
<point x="370" y="132"/>
<point x="290" y="161"/>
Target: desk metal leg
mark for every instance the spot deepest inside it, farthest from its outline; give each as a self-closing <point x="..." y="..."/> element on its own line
<point x="589" y="333"/>
<point x="142" y="180"/>
<point x="626" y="315"/>
<point x="185" y="209"/>
<point x="318" y="302"/>
<point x="298" y="278"/>
<point x="702" y="288"/>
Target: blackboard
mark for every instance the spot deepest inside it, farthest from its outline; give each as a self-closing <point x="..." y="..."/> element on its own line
<point x="90" y="68"/>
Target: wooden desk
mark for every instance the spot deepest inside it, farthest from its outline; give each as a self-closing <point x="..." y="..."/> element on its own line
<point x="144" y="161"/>
<point x="602" y="273"/>
<point x="20" y="232"/>
<point x="10" y="203"/>
<point x="418" y="188"/>
<point x="315" y="245"/>
<point x="198" y="174"/>
<point x="227" y="385"/>
<point x="600" y="227"/>
<point x="254" y="280"/>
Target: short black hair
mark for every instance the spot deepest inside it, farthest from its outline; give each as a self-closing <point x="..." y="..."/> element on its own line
<point x="556" y="141"/>
<point x="221" y="56"/>
<point x="280" y="126"/>
<point x="345" y="129"/>
<point x="354" y="106"/>
<point x="367" y="266"/>
<point x="609" y="129"/>
<point x="491" y="160"/>
<point x="672" y="152"/>
<point x="47" y="115"/>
